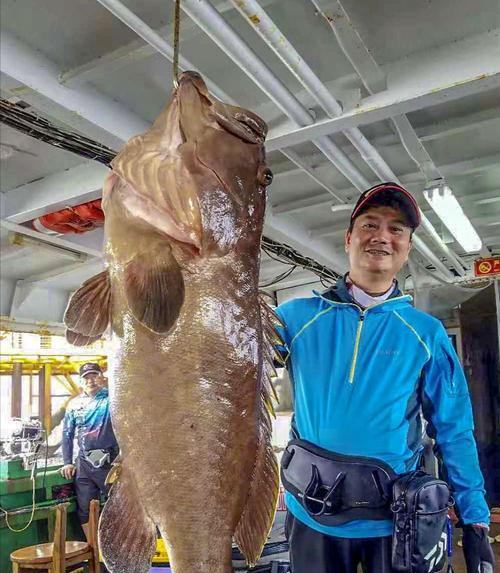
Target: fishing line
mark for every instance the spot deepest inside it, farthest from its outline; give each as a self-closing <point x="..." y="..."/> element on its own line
<point x="177" y="26"/>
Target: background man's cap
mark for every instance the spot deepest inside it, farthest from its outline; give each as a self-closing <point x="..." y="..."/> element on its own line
<point x="90" y="368"/>
<point x="391" y="191"/>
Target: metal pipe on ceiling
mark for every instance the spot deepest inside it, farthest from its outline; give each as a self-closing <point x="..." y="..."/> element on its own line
<point x="283" y="48"/>
<point x="258" y="18"/>
<point x="214" y="25"/>
<point x="152" y="38"/>
<point x="277" y="92"/>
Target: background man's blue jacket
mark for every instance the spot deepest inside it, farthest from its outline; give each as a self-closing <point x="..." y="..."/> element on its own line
<point x="360" y="380"/>
<point x="90" y="418"/>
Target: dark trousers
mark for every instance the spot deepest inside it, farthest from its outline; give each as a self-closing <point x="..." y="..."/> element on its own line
<point x="89" y="484"/>
<point x="314" y="552"/>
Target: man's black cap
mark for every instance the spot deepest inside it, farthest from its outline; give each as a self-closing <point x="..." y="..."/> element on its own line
<point x="390" y="191"/>
<point x="90" y="368"/>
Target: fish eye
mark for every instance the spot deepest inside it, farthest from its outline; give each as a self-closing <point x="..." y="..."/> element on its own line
<point x="266" y="177"/>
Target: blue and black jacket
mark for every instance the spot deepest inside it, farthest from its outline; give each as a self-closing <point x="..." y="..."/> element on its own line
<point x="90" y="419"/>
<point x="361" y="379"/>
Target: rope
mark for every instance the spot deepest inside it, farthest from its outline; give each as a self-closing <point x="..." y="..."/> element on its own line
<point x="177" y="26"/>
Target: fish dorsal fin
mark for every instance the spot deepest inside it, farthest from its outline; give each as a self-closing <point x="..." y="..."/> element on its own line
<point x="258" y="515"/>
<point x="88" y="311"/>
<point x="77" y="339"/>
<point x="270" y="321"/>
<point x="154" y="288"/>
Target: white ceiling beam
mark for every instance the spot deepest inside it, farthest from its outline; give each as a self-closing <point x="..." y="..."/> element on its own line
<point x="25" y="325"/>
<point x="273" y="37"/>
<point x="135" y="51"/>
<point x="469" y="166"/>
<point x="70" y="187"/>
<point x="439" y="130"/>
<point x="150" y="36"/>
<point x="290" y="231"/>
<point x="10" y="252"/>
<point x="415" y="148"/>
<point x="119" y="122"/>
<point x="484" y="200"/>
<point x="322" y="200"/>
<point x="305" y="165"/>
<point x="352" y="44"/>
<point x="211" y="22"/>
<point x="420" y="81"/>
<point x="374" y="80"/>
<point x="46" y="278"/>
<point x="457" y="125"/>
<point x="228" y="40"/>
<point x="485" y="220"/>
<point x="22" y="245"/>
<point x="22" y="291"/>
<point x="50" y="239"/>
<point x="34" y="70"/>
<point x="335" y="228"/>
<point x="492" y="240"/>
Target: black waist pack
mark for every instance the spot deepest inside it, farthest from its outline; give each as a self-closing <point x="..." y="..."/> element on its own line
<point x="420" y="507"/>
<point x="335" y="488"/>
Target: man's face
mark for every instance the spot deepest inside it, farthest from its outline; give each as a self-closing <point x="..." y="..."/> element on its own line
<point x="379" y="242"/>
<point x="92" y="383"/>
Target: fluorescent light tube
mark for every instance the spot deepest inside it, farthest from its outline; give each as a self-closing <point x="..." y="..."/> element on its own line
<point x="448" y="209"/>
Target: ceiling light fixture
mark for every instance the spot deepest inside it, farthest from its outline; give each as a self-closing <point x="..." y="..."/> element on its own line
<point x="441" y="198"/>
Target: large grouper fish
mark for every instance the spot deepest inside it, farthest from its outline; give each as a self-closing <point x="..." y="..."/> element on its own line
<point x="192" y="355"/>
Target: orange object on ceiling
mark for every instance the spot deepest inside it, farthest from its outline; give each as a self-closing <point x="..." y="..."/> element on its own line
<point x="78" y="219"/>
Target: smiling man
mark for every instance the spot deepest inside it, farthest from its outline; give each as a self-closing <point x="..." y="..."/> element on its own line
<point x="364" y="365"/>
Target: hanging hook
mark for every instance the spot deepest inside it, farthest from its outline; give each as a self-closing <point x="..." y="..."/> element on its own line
<point x="177" y="25"/>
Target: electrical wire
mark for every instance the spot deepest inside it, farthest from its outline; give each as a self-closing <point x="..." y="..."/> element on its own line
<point x="279" y="278"/>
<point x="33" y="479"/>
<point x="38" y="127"/>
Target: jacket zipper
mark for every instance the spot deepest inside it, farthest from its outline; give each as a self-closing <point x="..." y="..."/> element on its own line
<point x="360" y="326"/>
<point x="356" y="348"/>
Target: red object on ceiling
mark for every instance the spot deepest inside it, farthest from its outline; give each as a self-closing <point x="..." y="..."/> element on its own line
<point x="78" y="219"/>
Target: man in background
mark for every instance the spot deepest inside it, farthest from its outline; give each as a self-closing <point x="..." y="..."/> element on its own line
<point x="88" y="418"/>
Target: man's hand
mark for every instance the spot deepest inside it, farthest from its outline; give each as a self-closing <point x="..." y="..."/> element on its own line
<point x="477" y="550"/>
<point x="68" y="471"/>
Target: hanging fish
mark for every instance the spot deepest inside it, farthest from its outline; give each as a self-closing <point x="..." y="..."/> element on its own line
<point x="190" y="372"/>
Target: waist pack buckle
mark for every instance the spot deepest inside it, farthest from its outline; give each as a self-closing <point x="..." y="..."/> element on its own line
<point x="319" y="499"/>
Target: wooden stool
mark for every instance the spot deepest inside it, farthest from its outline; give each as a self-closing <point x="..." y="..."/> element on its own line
<point x="56" y="557"/>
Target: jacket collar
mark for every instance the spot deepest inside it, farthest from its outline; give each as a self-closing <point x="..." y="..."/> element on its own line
<point x="103" y="392"/>
<point x="340" y="293"/>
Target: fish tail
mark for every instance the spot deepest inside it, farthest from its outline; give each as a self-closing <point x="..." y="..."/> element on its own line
<point x="127" y="535"/>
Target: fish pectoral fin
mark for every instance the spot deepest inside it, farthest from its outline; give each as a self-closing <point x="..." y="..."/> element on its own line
<point x="88" y="311"/>
<point x="154" y="289"/>
<point x="257" y="517"/>
<point x="127" y="535"/>
<point x="77" y="339"/>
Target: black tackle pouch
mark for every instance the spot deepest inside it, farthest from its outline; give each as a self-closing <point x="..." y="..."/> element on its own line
<point x="335" y="488"/>
<point x="420" y="506"/>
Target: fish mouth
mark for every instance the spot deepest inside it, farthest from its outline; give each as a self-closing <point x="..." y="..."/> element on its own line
<point x="240" y="122"/>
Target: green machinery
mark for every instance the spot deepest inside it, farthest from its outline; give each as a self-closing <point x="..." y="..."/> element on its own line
<point x="16" y="495"/>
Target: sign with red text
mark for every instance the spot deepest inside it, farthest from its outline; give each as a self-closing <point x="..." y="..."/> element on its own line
<point x="487" y="267"/>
